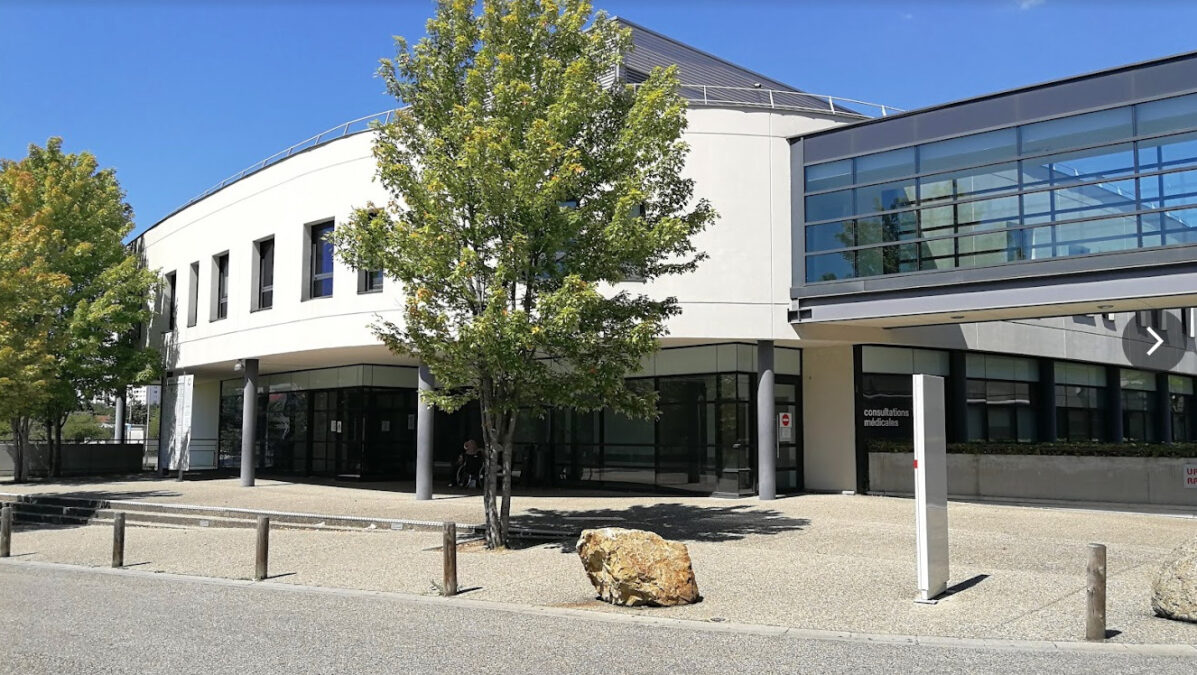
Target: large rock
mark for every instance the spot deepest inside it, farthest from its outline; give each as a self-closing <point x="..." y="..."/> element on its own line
<point x="634" y="567"/>
<point x="1174" y="593"/>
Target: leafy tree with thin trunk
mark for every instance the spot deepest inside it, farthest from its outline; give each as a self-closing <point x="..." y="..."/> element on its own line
<point x="527" y="184"/>
<point x="79" y="218"/>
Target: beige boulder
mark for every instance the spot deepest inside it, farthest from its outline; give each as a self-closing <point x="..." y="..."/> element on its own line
<point x="1174" y="592"/>
<point x="635" y="567"/>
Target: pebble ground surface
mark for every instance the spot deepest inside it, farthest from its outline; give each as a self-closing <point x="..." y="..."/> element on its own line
<point x="827" y="562"/>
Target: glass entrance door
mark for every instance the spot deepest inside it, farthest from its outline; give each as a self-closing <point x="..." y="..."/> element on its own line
<point x="788" y="398"/>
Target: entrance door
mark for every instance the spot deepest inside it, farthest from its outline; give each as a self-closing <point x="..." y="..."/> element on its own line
<point x="349" y="433"/>
<point x="787" y="396"/>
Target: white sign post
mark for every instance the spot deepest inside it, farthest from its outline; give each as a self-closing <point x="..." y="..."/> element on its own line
<point x="930" y="487"/>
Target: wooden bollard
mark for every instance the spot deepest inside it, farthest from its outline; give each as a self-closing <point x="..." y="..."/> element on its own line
<point x="449" y="546"/>
<point x="5" y="531"/>
<point x="1095" y="593"/>
<point x="118" y="540"/>
<point x="263" y="548"/>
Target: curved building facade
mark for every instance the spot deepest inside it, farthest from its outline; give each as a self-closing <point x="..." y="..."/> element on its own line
<point x="751" y="396"/>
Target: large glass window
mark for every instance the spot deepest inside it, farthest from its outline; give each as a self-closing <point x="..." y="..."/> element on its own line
<point x="1001" y="398"/>
<point x="172" y="305"/>
<point x="220" y="270"/>
<point x="1138" y="405"/>
<point x="321" y="261"/>
<point x="1080" y="402"/>
<point x="1085" y="169"/>
<point x="1180" y="396"/>
<point x="265" y="274"/>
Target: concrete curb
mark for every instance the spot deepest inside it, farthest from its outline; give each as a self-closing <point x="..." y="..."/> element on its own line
<point x="1026" y="646"/>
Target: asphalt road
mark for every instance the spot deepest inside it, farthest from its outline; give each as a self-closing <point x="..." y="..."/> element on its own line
<point x="55" y="619"/>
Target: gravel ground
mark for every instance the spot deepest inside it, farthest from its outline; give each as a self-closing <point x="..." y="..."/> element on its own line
<point x="830" y="562"/>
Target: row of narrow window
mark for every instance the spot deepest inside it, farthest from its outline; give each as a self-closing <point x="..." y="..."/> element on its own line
<point x="318" y="275"/>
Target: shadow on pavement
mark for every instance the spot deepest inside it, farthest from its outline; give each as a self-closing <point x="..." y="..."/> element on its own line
<point x="683" y="522"/>
<point x="964" y="585"/>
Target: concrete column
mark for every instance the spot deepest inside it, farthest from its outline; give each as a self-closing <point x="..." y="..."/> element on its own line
<point x="425" y="419"/>
<point x="1163" y="408"/>
<point x="766" y="422"/>
<point x="249" y="421"/>
<point x="1046" y="409"/>
<point x="829" y="456"/>
<point x="118" y="430"/>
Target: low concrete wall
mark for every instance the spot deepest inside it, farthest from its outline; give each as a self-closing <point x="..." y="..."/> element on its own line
<point x="79" y="459"/>
<point x="1128" y="480"/>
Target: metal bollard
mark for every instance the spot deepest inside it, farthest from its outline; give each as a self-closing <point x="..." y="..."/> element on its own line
<point x="1095" y="593"/>
<point x="449" y="547"/>
<point x="5" y="532"/>
<point x="118" y="540"/>
<point x="263" y="548"/>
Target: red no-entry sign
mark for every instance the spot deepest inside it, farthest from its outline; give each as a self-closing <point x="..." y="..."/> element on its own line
<point x="784" y="420"/>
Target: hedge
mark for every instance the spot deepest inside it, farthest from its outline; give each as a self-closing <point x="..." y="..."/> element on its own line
<point x="1058" y="448"/>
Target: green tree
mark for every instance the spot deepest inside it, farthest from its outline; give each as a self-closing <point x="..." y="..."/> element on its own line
<point x="90" y="328"/>
<point x="525" y="189"/>
<point x="83" y="426"/>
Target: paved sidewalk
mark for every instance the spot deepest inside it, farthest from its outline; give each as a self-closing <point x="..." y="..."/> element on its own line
<point x="828" y="562"/>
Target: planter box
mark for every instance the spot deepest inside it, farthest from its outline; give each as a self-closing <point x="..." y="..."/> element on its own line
<point x="1128" y="480"/>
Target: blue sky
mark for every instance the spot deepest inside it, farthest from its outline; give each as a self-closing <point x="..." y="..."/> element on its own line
<point x="179" y="95"/>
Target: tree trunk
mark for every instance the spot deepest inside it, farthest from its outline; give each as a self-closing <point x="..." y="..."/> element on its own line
<point x="494" y="536"/>
<point x="20" y="444"/>
<point x="56" y="452"/>
<point x="509" y="452"/>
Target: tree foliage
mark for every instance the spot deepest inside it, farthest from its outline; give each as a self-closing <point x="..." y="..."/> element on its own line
<point x="526" y="186"/>
<point x="80" y="292"/>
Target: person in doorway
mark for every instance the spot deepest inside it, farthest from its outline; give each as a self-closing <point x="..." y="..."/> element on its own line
<point x="469" y="465"/>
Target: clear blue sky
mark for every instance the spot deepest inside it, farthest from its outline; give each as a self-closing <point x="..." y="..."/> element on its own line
<point x="178" y="95"/>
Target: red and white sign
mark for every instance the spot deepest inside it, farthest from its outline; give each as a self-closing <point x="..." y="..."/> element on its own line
<point x="1191" y="475"/>
<point x="785" y="421"/>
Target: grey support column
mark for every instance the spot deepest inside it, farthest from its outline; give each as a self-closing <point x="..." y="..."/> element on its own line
<point x="425" y="418"/>
<point x="118" y="426"/>
<point x="766" y="422"/>
<point x="249" y="421"/>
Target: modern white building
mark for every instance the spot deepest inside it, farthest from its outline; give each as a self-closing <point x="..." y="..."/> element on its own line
<point x="791" y="357"/>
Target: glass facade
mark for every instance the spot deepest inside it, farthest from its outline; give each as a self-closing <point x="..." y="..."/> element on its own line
<point x="703" y="439"/>
<point x="350" y="421"/>
<point x="1112" y="180"/>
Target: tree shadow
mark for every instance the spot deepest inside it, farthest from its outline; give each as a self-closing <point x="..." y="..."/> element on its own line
<point x="681" y="522"/>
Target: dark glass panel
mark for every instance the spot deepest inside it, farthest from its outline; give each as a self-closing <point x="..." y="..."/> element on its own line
<point x="885" y="165"/>
<point x="829" y="236"/>
<point x="1077" y="131"/>
<point x="1078" y="167"/>
<point x="830" y="266"/>
<point x="885" y="197"/>
<point x="828" y="175"/>
<point x="983" y="148"/>
<point x="1170" y="114"/>
<point x="1169" y="152"/>
<point x="958" y="184"/>
<point x="829" y="205"/>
